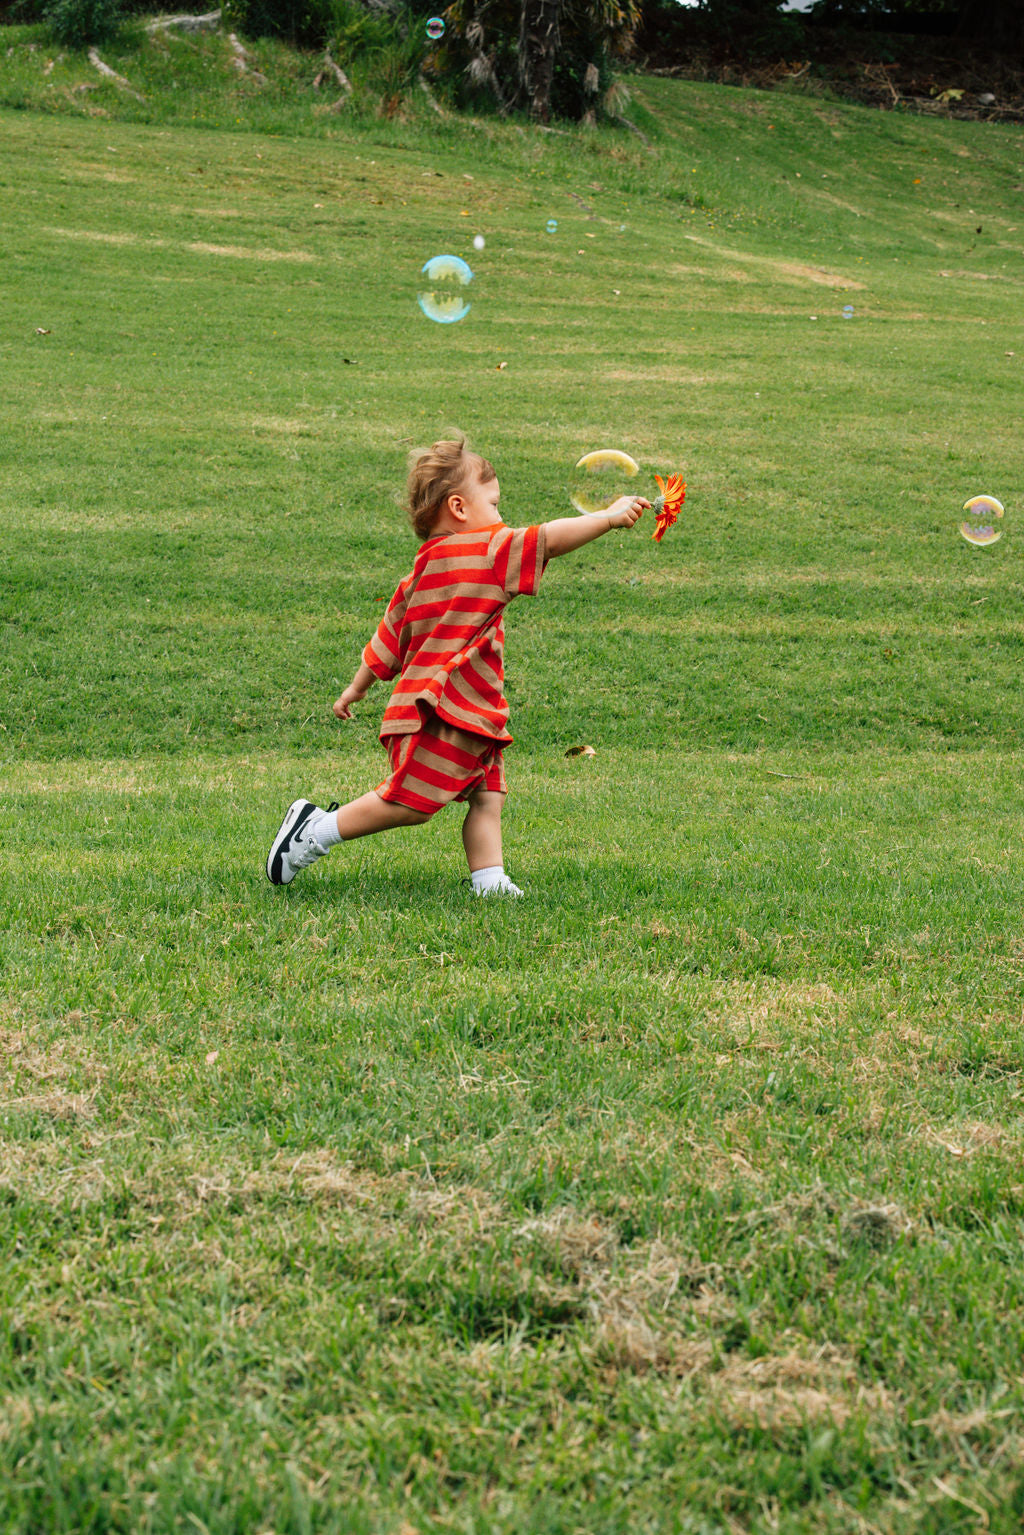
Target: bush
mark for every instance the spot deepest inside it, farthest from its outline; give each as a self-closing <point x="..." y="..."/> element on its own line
<point x="383" y="51"/>
<point x="80" y="23"/>
<point x="304" y="23"/>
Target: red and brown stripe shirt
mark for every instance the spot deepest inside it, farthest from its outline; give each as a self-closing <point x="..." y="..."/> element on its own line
<point x="443" y="634"/>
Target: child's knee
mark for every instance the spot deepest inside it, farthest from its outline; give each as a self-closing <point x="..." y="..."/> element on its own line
<point x="487" y="802"/>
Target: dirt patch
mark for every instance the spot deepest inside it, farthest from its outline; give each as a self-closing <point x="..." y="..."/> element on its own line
<point x="245" y="253"/>
<point x="197" y="247"/>
<point x="787" y="271"/>
<point x="98" y="236"/>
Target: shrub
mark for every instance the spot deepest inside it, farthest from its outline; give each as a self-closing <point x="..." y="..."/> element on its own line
<point x="80" y="23"/>
<point x="305" y="23"/>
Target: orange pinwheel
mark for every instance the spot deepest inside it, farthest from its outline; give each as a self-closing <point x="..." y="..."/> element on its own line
<point x="666" y="506"/>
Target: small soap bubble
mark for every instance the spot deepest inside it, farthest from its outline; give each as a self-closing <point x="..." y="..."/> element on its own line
<point x="979" y="526"/>
<point x="442" y="292"/>
<point x="478" y="242"/>
<point x="847" y="311"/>
<point x="435" y="28"/>
<point x="551" y="226"/>
<point x="601" y="477"/>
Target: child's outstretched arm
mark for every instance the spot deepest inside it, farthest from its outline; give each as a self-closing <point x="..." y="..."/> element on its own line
<point x="357" y="689"/>
<point x="569" y="533"/>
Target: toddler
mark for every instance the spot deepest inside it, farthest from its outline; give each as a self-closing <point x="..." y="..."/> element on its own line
<point x="442" y="637"/>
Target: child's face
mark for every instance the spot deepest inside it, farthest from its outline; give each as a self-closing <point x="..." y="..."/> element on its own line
<point x="477" y="502"/>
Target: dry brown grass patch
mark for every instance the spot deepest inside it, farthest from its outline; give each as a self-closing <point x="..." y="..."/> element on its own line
<point x="788" y="271"/>
<point x="787" y="1390"/>
<point x="858" y="1221"/>
<point x="34" y="1073"/>
<point x="750" y="1013"/>
<point x="961" y="1425"/>
<point x="966" y="1139"/>
<point x="575" y="1244"/>
<point x="405" y="1193"/>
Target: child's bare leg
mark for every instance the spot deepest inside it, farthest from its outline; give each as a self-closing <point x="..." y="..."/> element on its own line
<point x="369" y="813"/>
<point x="307" y="833"/>
<point x="481" y="837"/>
<point x="481" y="830"/>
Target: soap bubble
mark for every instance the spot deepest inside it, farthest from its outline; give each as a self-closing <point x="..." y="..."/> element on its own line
<point x="435" y="28"/>
<point x="600" y="478"/>
<point x="847" y="311"/>
<point x="442" y="295"/>
<point x="551" y="226"/>
<point x="478" y="242"/>
<point x="979" y="525"/>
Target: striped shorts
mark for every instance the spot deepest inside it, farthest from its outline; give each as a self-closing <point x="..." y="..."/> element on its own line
<point x="438" y="764"/>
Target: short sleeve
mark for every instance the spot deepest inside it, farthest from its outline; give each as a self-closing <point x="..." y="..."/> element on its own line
<point x="383" y="653"/>
<point x="519" y="556"/>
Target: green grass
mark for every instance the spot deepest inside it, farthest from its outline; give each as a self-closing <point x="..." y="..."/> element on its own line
<point x="685" y="1195"/>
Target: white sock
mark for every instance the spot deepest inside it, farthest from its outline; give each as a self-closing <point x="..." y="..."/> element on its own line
<point x="323" y="828"/>
<point x="488" y="879"/>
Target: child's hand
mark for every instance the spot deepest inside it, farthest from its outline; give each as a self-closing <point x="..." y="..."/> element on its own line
<point x="626" y="511"/>
<point x="352" y="695"/>
<point x="356" y="691"/>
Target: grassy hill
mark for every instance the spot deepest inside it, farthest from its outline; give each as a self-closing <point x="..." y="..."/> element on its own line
<point x="685" y="1194"/>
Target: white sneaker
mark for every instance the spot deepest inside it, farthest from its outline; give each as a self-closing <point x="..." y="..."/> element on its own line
<point x="294" y="847"/>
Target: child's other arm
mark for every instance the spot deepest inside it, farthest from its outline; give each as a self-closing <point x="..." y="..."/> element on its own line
<point x="569" y="533"/>
<point x="357" y="689"/>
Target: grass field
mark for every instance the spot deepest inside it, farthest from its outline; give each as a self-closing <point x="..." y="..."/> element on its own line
<point x="684" y="1195"/>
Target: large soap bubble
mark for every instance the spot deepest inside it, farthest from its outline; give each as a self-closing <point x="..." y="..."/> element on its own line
<point x="982" y="513"/>
<point x="442" y="293"/>
<point x="435" y="28"/>
<point x="601" y="477"/>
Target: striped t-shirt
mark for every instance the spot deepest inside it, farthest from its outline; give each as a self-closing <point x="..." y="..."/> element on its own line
<point x="443" y="634"/>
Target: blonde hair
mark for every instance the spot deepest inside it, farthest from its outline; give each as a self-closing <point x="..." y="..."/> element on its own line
<point x="438" y="474"/>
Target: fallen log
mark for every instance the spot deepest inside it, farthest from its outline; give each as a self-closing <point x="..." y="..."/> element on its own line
<point x="334" y="71"/>
<point x="208" y="23"/>
<point x="112" y="74"/>
<point x="240" y="60"/>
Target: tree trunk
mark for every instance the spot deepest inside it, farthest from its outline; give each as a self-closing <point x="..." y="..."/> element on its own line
<point x="538" y="43"/>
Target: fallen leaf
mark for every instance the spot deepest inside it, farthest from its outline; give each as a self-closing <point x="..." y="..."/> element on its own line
<point x="503" y="365"/>
<point x="581" y="751"/>
<point x="41" y="331"/>
<point x="211" y="1057"/>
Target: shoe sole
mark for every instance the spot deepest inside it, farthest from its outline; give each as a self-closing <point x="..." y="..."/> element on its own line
<point x="295" y="818"/>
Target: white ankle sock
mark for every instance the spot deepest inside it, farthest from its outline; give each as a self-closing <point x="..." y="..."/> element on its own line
<point x="323" y="828"/>
<point x="488" y="879"/>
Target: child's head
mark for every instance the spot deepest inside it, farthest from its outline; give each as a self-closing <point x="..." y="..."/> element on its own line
<point x="445" y="469"/>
